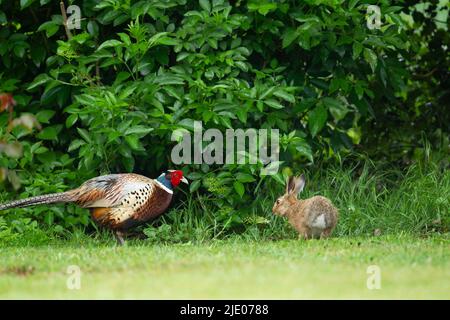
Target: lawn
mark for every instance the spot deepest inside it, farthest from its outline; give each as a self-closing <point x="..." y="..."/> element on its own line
<point x="410" y="267"/>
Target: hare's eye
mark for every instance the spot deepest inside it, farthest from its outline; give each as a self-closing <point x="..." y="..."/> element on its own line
<point x="278" y="201"/>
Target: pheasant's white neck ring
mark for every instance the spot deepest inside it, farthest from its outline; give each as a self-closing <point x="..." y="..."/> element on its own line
<point x="164" y="187"/>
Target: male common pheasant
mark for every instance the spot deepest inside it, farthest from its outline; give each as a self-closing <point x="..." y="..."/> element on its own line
<point x="116" y="201"/>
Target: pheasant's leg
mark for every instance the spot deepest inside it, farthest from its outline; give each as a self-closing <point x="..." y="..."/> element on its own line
<point x="119" y="237"/>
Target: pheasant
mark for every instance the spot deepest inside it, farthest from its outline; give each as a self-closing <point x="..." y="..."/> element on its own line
<point x="116" y="201"/>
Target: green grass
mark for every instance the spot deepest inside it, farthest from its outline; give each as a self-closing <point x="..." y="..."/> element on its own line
<point x="411" y="267"/>
<point x="370" y="200"/>
<point x="189" y="254"/>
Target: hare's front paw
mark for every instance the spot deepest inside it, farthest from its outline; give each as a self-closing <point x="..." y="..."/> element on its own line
<point x="303" y="235"/>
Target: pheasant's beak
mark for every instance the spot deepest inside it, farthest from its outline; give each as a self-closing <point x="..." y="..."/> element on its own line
<point x="184" y="180"/>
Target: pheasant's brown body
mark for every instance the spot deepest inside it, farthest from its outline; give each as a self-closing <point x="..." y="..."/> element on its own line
<point x="116" y="201"/>
<point x="120" y="201"/>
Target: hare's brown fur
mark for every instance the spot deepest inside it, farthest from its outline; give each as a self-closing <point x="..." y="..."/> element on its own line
<point x="313" y="217"/>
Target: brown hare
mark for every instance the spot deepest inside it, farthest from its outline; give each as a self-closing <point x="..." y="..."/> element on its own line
<point x="315" y="217"/>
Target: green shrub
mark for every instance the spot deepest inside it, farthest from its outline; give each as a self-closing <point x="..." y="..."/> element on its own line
<point x="110" y="94"/>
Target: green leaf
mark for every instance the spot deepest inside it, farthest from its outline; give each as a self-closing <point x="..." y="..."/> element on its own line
<point x="168" y="41"/>
<point x="183" y="55"/>
<point x="50" y="133"/>
<point x="317" y="119"/>
<point x="35" y="146"/>
<point x="357" y="49"/>
<point x="319" y="83"/>
<point x="242" y="115"/>
<point x="371" y="58"/>
<point x="19" y="51"/>
<point x="336" y="107"/>
<point x="273" y="104"/>
<point x="120" y="19"/>
<point x="49" y="218"/>
<point x="304" y="149"/>
<point x="391" y="9"/>
<point x="39" y="80"/>
<point x="262" y="7"/>
<point x="133" y="142"/>
<point x="121" y="77"/>
<point x="92" y="28"/>
<point x="125" y="38"/>
<point x="41" y="150"/>
<point x="37" y="54"/>
<point x="50" y="28"/>
<point x="383" y="75"/>
<point x="84" y="134"/>
<point x="113" y="135"/>
<point x="239" y="187"/>
<point x="108" y="44"/>
<point x="194" y="176"/>
<point x="206" y="5"/>
<point x="161" y="38"/>
<point x="352" y="4"/>
<point x="85" y="99"/>
<point x="266" y="93"/>
<point x="242" y="65"/>
<point x="125" y="93"/>
<point x="166" y="79"/>
<point x="70" y="121"/>
<point x="3" y="17"/>
<point x="245" y="177"/>
<point x="25" y="3"/>
<point x="284" y="95"/>
<point x="139" y="130"/>
<point x="75" y="144"/>
<point x="195" y="185"/>
<point x="289" y="36"/>
<point x="260" y="106"/>
<point x="187" y="123"/>
<point x="334" y="85"/>
<point x="279" y="178"/>
<point x="44" y="116"/>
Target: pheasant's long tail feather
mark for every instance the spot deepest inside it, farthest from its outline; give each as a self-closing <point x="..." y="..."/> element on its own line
<point x="68" y="196"/>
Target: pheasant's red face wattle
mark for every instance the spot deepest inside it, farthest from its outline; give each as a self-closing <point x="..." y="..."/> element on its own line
<point x="176" y="177"/>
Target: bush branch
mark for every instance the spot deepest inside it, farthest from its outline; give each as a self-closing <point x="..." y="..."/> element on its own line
<point x="64" y="15"/>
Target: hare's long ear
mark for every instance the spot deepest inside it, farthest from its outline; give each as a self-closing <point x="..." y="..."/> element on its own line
<point x="299" y="184"/>
<point x="289" y="184"/>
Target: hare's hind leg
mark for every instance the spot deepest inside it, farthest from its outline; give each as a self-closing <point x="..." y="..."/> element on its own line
<point x="325" y="233"/>
<point x="304" y="233"/>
